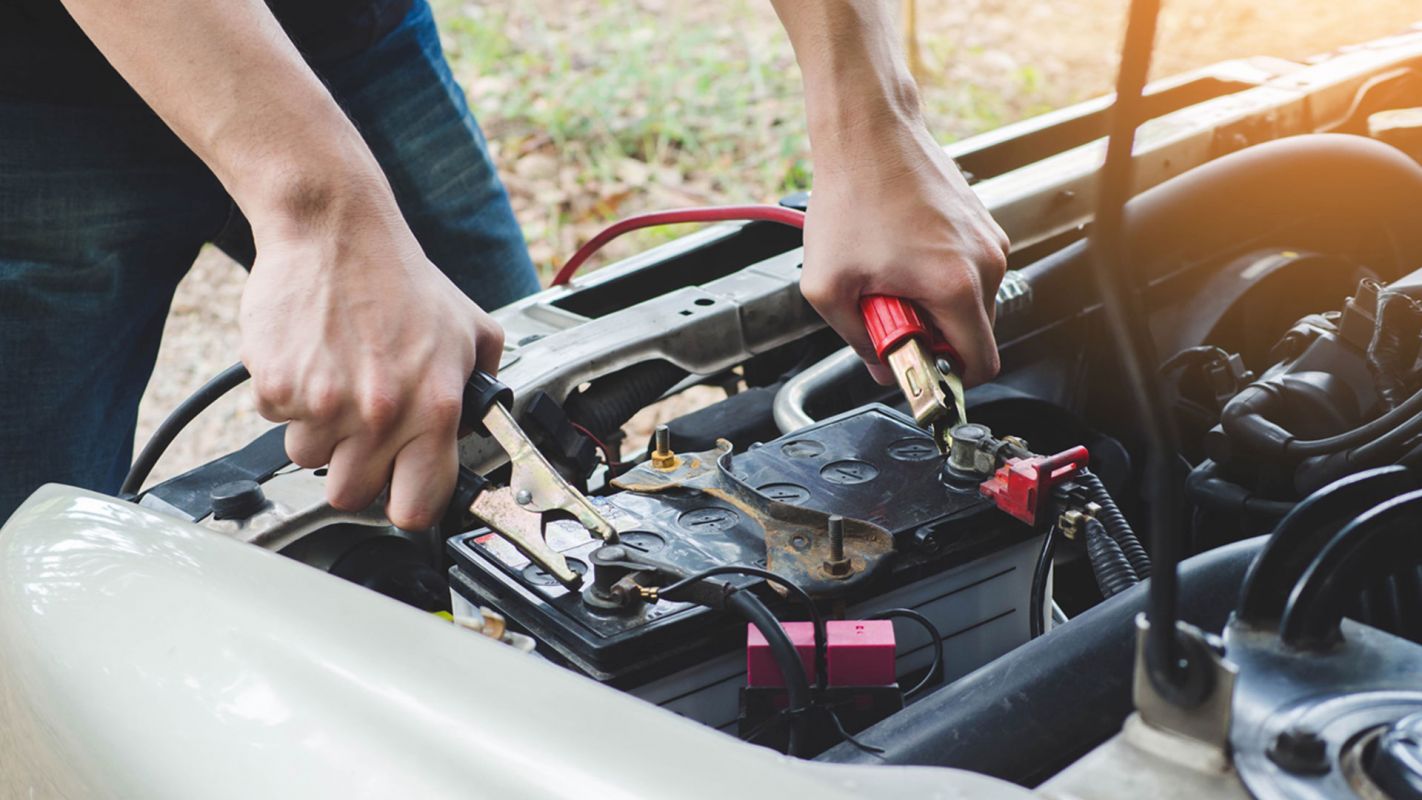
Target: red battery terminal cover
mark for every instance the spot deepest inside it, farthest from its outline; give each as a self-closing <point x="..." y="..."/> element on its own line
<point x="1020" y="485"/>
<point x="857" y="653"/>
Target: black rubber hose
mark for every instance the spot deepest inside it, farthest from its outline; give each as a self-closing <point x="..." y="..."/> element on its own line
<point x="1245" y="419"/>
<point x="1209" y="490"/>
<point x="224" y="382"/>
<point x="1067" y="691"/>
<point x="611" y="400"/>
<point x="1388" y="445"/>
<point x="1116" y="525"/>
<point x="797" y="686"/>
<point x="1112" y="570"/>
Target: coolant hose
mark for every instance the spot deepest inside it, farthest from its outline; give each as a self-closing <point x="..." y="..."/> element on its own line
<point x="1112" y="570"/>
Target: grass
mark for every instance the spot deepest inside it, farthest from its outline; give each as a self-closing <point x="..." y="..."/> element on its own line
<point x="599" y="108"/>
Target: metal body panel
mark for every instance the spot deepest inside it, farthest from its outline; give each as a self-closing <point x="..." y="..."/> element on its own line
<point x="149" y="657"/>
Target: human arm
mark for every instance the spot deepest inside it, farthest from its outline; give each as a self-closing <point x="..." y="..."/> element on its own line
<point x="891" y="214"/>
<point x="351" y="334"/>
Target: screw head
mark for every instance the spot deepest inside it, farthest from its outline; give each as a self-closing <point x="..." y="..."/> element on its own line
<point x="523" y="497"/>
<point x="1300" y="751"/>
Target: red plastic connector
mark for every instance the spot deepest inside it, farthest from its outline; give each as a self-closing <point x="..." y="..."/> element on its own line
<point x="857" y="653"/>
<point x="1021" y="484"/>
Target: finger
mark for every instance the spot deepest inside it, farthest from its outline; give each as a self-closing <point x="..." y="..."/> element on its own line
<point x="489" y="347"/>
<point x="422" y="481"/>
<point x="966" y="327"/>
<point x="881" y="374"/>
<point x="275" y="395"/>
<point x="839" y="306"/>
<point x="309" y="444"/>
<point x="358" y="472"/>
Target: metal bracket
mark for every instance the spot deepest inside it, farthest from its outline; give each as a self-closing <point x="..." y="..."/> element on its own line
<point x="1207" y="721"/>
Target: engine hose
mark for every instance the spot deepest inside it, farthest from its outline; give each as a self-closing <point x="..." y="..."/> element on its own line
<point x="1245" y="420"/>
<point x="1113" y="572"/>
<point x="611" y="400"/>
<point x="1116" y="525"/>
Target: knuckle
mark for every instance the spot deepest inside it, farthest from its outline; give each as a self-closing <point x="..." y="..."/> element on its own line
<point x="303" y="452"/>
<point x="817" y="291"/>
<point x="993" y="264"/>
<point x="992" y="364"/>
<point x="348" y="496"/>
<point x="274" y="389"/>
<point x="324" y="403"/>
<point x="490" y="332"/>
<point x="412" y="517"/>
<point x="379" y="411"/>
<point x="444" y="409"/>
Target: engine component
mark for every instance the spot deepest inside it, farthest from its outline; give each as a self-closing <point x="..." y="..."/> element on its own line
<point x="912" y="538"/>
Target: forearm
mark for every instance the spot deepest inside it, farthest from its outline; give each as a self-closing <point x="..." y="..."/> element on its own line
<point x="232" y="86"/>
<point x="857" y="84"/>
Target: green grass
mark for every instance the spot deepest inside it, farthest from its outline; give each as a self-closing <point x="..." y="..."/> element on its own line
<point x="599" y="108"/>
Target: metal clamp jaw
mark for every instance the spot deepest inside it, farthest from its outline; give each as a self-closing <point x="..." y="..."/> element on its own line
<point x="923" y="362"/>
<point x="519" y="511"/>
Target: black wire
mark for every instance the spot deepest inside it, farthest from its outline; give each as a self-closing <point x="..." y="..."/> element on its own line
<point x="1389" y="443"/>
<point x="1361" y="435"/>
<point x="804" y="597"/>
<point x="797" y="686"/>
<point x="1125" y="314"/>
<point x="844" y="734"/>
<point x="1037" y="599"/>
<point x="934" y="636"/>
<point x="224" y="382"/>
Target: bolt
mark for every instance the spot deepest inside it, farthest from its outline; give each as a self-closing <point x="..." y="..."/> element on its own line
<point x="523" y="497"/>
<point x="662" y="455"/>
<point x="1300" y="751"/>
<point x="837" y="565"/>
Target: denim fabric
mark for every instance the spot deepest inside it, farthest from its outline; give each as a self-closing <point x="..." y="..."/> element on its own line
<point x="102" y="211"/>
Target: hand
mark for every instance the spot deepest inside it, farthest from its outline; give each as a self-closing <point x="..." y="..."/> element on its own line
<point x="363" y="347"/>
<point x="897" y="218"/>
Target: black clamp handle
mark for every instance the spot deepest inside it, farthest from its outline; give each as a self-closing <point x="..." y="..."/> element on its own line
<point x="481" y="393"/>
<point x="457" y="516"/>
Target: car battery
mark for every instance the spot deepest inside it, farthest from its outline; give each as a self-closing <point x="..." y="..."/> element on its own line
<point x="956" y="559"/>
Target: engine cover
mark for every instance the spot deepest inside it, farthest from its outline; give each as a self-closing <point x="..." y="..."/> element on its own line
<point x="947" y="552"/>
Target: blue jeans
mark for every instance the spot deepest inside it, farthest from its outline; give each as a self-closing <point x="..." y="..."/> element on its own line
<point x="103" y="210"/>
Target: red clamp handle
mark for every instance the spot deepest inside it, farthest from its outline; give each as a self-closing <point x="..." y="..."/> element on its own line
<point x="892" y="320"/>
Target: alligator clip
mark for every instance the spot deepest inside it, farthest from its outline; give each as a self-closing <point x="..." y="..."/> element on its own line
<point x="517" y="512"/>
<point x="923" y="362"/>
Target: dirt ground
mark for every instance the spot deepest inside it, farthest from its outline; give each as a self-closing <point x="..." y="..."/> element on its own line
<point x="1034" y="55"/>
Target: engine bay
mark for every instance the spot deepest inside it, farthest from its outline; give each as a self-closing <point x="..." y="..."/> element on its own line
<point x="990" y="587"/>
